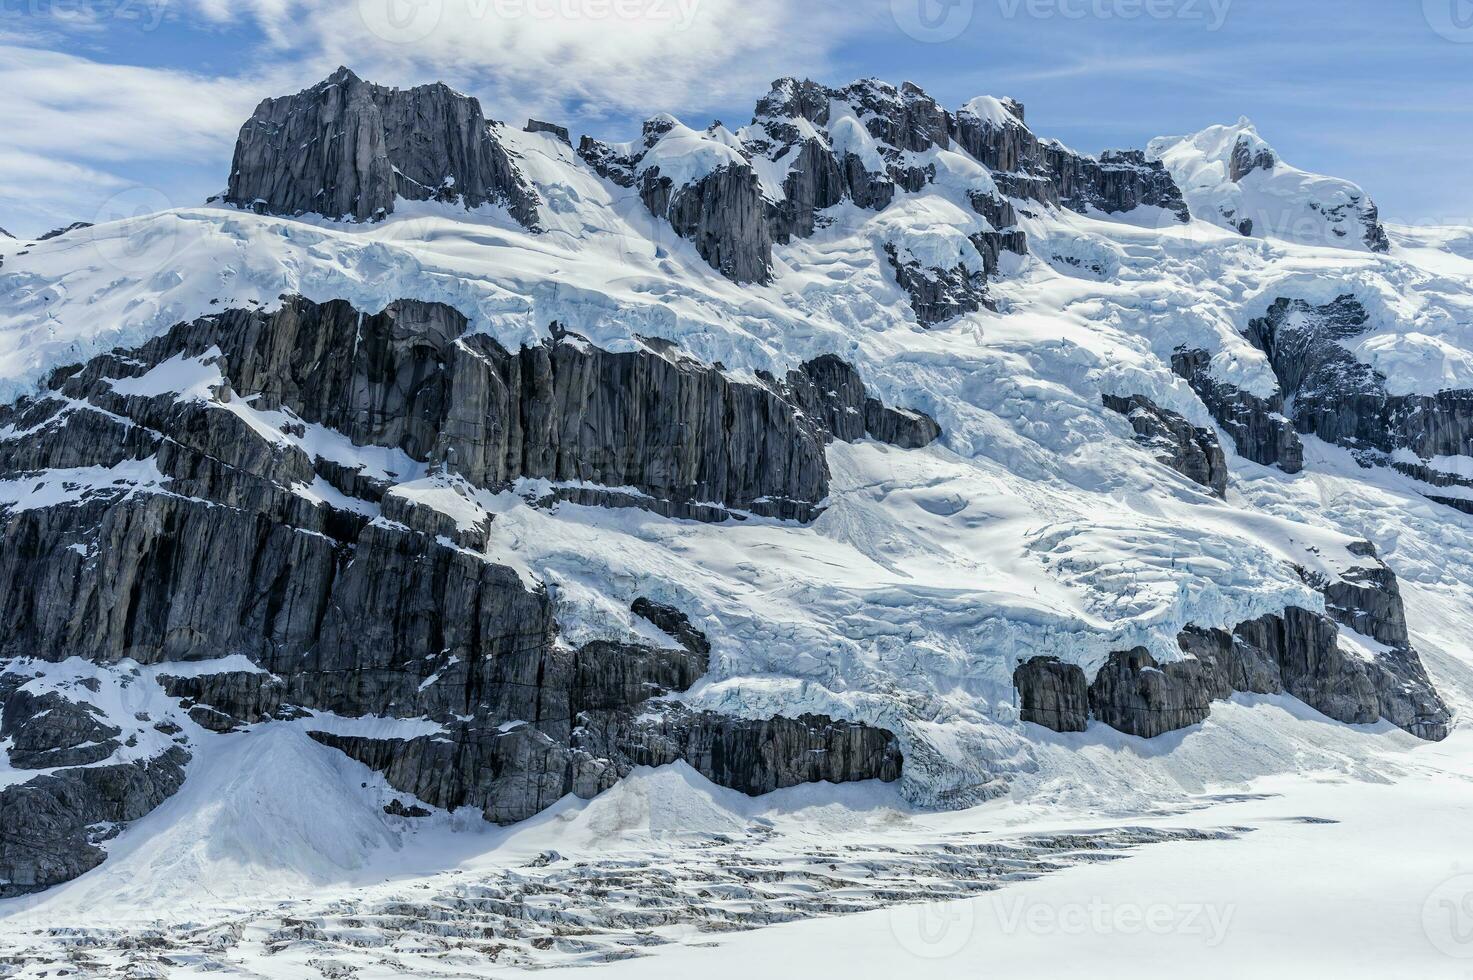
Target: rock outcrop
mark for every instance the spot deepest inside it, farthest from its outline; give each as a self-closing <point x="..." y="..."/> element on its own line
<point x="815" y="147"/>
<point x="1299" y="652"/>
<point x="1119" y="181"/>
<point x="345" y="148"/>
<point x="58" y="232"/>
<point x="538" y="126"/>
<point x="212" y="491"/>
<point x="1053" y="694"/>
<point x="703" y="187"/>
<point x="49" y="731"/>
<point x="1192" y="451"/>
<point x="938" y="294"/>
<point x="52" y="826"/>
<point x="1344" y="401"/>
<point x="1258" y="426"/>
<point x="994" y="131"/>
<point x="1133" y="694"/>
<point x="678" y="431"/>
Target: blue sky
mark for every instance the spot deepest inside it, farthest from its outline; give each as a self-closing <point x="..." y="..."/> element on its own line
<point x="114" y="102"/>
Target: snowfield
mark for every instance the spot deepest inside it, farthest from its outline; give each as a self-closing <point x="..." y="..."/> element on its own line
<point x="1034" y="527"/>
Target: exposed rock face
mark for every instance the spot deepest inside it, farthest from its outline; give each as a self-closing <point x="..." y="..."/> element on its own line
<point x="1119" y="181"/>
<point x="348" y="149"/>
<point x="561" y="132"/>
<point x="1135" y="695"/>
<point x="58" y="232"/>
<point x="1053" y="694"/>
<point x="1192" y="451"/>
<point x="51" y="826"/>
<point x="899" y="125"/>
<point x="1344" y="401"/>
<point x="819" y="146"/>
<point x="938" y="295"/>
<point x="1367" y="599"/>
<point x="1248" y="157"/>
<point x="677" y="430"/>
<point x="994" y="132"/>
<point x="51" y="732"/>
<point x="723" y="214"/>
<point x="722" y="211"/>
<point x="1046" y="171"/>
<point x="1299" y="653"/>
<point x="191" y="517"/>
<point x="828" y="390"/>
<point x="675" y="624"/>
<point x="1258" y="426"/>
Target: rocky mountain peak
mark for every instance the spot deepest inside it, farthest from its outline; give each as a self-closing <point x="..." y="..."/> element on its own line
<point x="1232" y="177"/>
<point x="346" y="148"/>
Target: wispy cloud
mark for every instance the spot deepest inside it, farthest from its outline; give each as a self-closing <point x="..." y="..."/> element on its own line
<point x="575" y="60"/>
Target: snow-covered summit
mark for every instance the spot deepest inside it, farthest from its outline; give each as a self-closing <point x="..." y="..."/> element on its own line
<point x="1232" y="177"/>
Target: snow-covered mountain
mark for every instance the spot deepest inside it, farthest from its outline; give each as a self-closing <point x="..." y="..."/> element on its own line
<point x="444" y="469"/>
<point x="1233" y="178"/>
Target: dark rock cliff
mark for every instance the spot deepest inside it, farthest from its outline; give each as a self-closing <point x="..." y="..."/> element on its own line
<point x="345" y="148"/>
<point x="197" y="512"/>
<point x="1299" y="653"/>
<point x="1343" y="401"/>
<point x="1259" y="429"/>
<point x="1192" y="451"/>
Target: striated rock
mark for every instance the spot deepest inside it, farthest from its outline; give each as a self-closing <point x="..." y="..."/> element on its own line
<point x="1298" y="652"/>
<point x="1191" y="451"/>
<point x="1119" y="181"/>
<point x="1053" y="694"/>
<point x="674" y="623"/>
<point x="538" y="126"/>
<point x="345" y="148"/>
<point x="1135" y="695"/>
<point x="1232" y="662"/>
<point x="1313" y="667"/>
<point x="723" y="214"/>
<point x="51" y="825"/>
<point x="994" y="132"/>
<point x="1257" y="425"/>
<point x="48" y="731"/>
<point x="751" y="756"/>
<point x="208" y="528"/>
<point x="829" y="390"/>
<point x="1346" y="402"/>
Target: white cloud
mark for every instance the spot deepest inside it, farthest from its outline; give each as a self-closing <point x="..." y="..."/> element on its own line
<point x="569" y="60"/>
<point x="62" y="103"/>
<point x="602" y="56"/>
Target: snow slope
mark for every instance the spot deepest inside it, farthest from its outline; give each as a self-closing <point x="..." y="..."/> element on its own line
<point x="1036" y="526"/>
